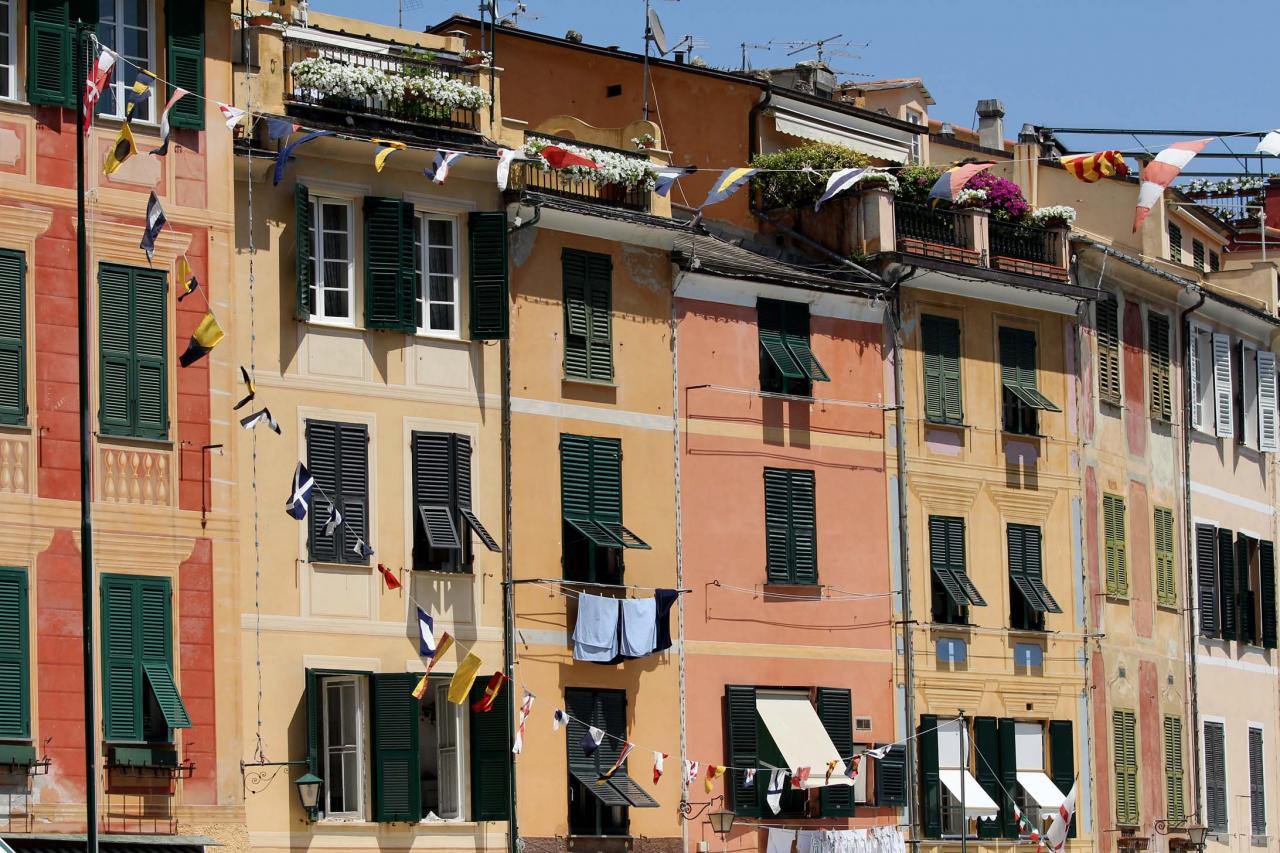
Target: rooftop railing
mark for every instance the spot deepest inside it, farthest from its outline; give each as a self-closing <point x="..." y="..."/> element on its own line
<point x="580" y="187"/>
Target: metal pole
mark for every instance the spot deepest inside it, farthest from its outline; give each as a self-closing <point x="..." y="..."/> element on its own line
<point x="1262" y="231"/>
<point x="86" y="495"/>
<point x="964" y="771"/>
<point x="508" y="589"/>
<point x="648" y="36"/>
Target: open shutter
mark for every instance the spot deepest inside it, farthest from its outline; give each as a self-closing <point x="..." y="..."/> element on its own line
<point x="150" y="340"/>
<point x="577" y="322"/>
<point x="575" y="476"/>
<point x="1267" y="591"/>
<point x="389" y="281"/>
<point x="487" y="232"/>
<point x="322" y="462"/>
<point x="1223" y="414"/>
<point x="1227" y="610"/>
<point x="987" y="745"/>
<point x="1007" y="733"/>
<point x="394" y="741"/>
<point x="353" y="467"/>
<point x="184" y="21"/>
<point x="1158" y="354"/>
<point x="1062" y="759"/>
<point x="1267" y="438"/>
<point x="50" y="31"/>
<point x="115" y="350"/>
<point x="462" y="486"/>
<point x="1175" y="805"/>
<point x="835" y="710"/>
<point x="600" y="317"/>
<point x="742" y="749"/>
<point x="804" y="528"/>
<point x="771" y="322"/>
<point x="777" y="525"/>
<point x="1107" y="313"/>
<point x="795" y="332"/>
<point x="315" y="715"/>
<point x="13" y="337"/>
<point x="15" y="660"/>
<point x="433" y="494"/>
<point x="122" y="673"/>
<point x="930" y="779"/>
<point x="1207" y="579"/>
<point x="891" y="777"/>
<point x="304" y="251"/>
<point x="155" y="631"/>
<point x="491" y="756"/>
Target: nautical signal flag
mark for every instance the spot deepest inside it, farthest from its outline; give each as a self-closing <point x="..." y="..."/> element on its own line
<point x="1160" y="172"/>
<point x="389" y="577"/>
<point x="439" y="169"/>
<point x="300" y="495"/>
<point x="362" y="549"/>
<point x="138" y="93"/>
<point x="799" y="777"/>
<point x="155" y="224"/>
<point x="94" y="85"/>
<point x="491" y="690"/>
<point x="233" y="115"/>
<point x="386" y="147"/>
<point x="123" y="148"/>
<point x="729" y="182"/>
<point x="658" y="759"/>
<point x="526" y="708"/>
<point x="331" y="523"/>
<point x="714" y="772"/>
<point x="442" y="645"/>
<point x="558" y="719"/>
<point x="953" y="180"/>
<point x="178" y="94"/>
<point x="278" y="128"/>
<point x="262" y="416"/>
<point x="690" y="772"/>
<point x="187" y="281"/>
<point x="627" y="746"/>
<point x="206" y="336"/>
<point x="460" y="684"/>
<point x="562" y="158"/>
<point x="665" y="177"/>
<point x="1269" y="144"/>
<point x="1096" y="166"/>
<point x="840" y="180"/>
<point x="282" y="158"/>
<point x="591" y="740"/>
<point x="249" y="385"/>
<point x="426" y="634"/>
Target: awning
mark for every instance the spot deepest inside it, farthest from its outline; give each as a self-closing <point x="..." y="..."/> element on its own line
<point x="800" y="735"/>
<point x="807" y="121"/>
<point x="167" y="696"/>
<point x="976" y="802"/>
<point x="618" y="790"/>
<point x="1041" y="788"/>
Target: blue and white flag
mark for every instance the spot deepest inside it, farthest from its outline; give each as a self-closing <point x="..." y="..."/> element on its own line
<point x="445" y="158"/>
<point x="278" y="128"/>
<point x="155" y="224"/>
<point x="282" y="158"/>
<point x="303" y="483"/>
<point x="665" y="177"/>
<point x="591" y="740"/>
<point x="426" y="635"/>
<point x="840" y="180"/>
<point x="361" y="548"/>
<point x="331" y="523"/>
<point x="558" y="719"/>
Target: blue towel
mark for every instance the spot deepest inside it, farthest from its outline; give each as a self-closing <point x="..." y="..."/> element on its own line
<point x="595" y="636"/>
<point x="639" y="627"/>
<point x="665" y="598"/>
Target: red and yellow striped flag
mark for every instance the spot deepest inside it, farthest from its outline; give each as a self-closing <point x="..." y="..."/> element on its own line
<point x="1094" y="167"/>
<point x="491" y="691"/>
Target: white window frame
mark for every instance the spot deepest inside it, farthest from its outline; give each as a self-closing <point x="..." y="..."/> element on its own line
<point x="318" y="203"/>
<point x="453" y="757"/>
<point x="914" y="117"/>
<point x="1249" y="394"/>
<point x="422" y="220"/>
<point x="10" y="62"/>
<point x="118" y="73"/>
<point x="356" y="685"/>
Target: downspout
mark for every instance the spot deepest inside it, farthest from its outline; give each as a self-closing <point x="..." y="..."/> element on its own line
<point x="1193" y="699"/>
<point x="679" y="533"/>
<point x="508" y="588"/>
<point x="753" y="124"/>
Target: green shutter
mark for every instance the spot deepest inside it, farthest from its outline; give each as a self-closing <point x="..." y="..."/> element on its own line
<point x="490" y="756"/>
<point x="987" y="746"/>
<point x="1175" y="805"/>
<point x="15" y="656"/>
<point x="394" y="743"/>
<point x="947" y="560"/>
<point x="184" y="21"/>
<point x="1018" y="368"/>
<point x="1062" y="759"/>
<point x="772" y="323"/>
<point x="835" y="710"/>
<point x="115" y="350"/>
<point x="795" y="331"/>
<point x="1158" y="352"/>
<point x="322" y="462"/>
<point x="930" y="780"/>
<point x="315" y="720"/>
<point x="1226" y="603"/>
<point x="434" y="495"/>
<point x="1117" y="562"/>
<point x="303" y="251"/>
<point x="1008" y="773"/>
<point x="1166" y="578"/>
<point x="777" y="525"/>
<point x="1207" y="580"/>
<point x="1026" y="567"/>
<point x="940" y="343"/>
<point x="150" y="341"/>
<point x="50" y="31"/>
<point x="390" y="285"/>
<point x="891" y="777"/>
<point x="1108" y="331"/>
<point x="13" y="337"/>
<point x="338" y="459"/>
<point x="588" y="315"/>
<point x="577" y="326"/>
<point x="133" y="351"/>
<point x="1267" y="591"/>
<point x="742" y="748"/>
<point x="804" y="528"/>
<point x="165" y="690"/>
<point x="1125" y="760"/>
<point x="462" y="487"/>
<point x="353" y="467"/>
<point x="122" y="673"/>
<point x="791" y="546"/>
<point x="487" y="231"/>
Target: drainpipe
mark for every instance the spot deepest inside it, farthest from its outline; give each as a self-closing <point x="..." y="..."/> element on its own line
<point x="753" y="123"/>
<point x="1193" y="699"/>
<point x="508" y="588"/>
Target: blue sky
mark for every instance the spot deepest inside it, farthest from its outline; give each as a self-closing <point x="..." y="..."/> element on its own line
<point x="1110" y="63"/>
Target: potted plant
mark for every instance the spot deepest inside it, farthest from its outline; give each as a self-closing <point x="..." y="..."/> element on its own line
<point x="265" y="18"/>
<point x="473" y="56"/>
<point x="1054" y="216"/>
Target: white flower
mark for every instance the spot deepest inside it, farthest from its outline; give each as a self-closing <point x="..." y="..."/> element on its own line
<point x="330" y="78"/>
<point x="615" y="167"/>
<point x="970" y="198"/>
<point x="1055" y="213"/>
<point x="879" y="178"/>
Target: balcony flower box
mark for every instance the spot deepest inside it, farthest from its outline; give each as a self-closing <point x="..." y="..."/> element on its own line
<point x="618" y="171"/>
<point x="339" y="83"/>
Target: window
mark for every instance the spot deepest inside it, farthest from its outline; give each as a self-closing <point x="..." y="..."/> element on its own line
<point x="1268" y="426"/>
<point x="953" y="591"/>
<point x="1215" y="262"/>
<point x="1022" y="399"/>
<point x="333" y="272"/>
<point x="338" y="458"/>
<point x="1158" y="357"/>
<point x="441" y="511"/>
<point x="8" y="49"/>
<point x="126" y="26"/>
<point x="1175" y="805"/>
<point x="1236" y="586"/>
<point x="1245" y="404"/>
<point x="1197" y="254"/>
<point x="50" y="75"/>
<point x="1257" y="784"/>
<point x="951" y="650"/>
<point x="1215" y="777"/>
<point x="1113" y="524"/>
<point x="787" y="363"/>
<point x="436" y="264"/>
<point x="588" y="324"/>
<point x="1166" y="573"/>
<point x="1125" y="759"/>
<point x="133" y="349"/>
<point x="1175" y="243"/>
<point x="1200" y="382"/>
<point x="385" y="753"/>
<point x="940" y="342"/>
<point x="1108" y="322"/>
<point x="915" y="117"/>
<point x="1223" y="399"/>
<point x="13" y="336"/>
<point x="591" y="505"/>
<point x="1029" y="597"/>
<point x="600" y="808"/>
<point x="140" y="700"/>
<point x="790" y="526"/>
<point x="15" y="656"/>
<point x="1028" y="659"/>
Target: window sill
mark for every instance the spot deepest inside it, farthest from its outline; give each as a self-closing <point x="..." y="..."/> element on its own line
<point x="426" y="335"/>
<point x="1117" y="597"/>
<point x="794" y="590"/>
<point x="158" y="443"/>
<point x="348" y="325"/>
<point x="1023" y="436"/>
<point x="15" y="428"/>
<point x="465" y="573"/>
<point x="594" y="383"/>
<point x="955" y="425"/>
<point x="322" y="564"/>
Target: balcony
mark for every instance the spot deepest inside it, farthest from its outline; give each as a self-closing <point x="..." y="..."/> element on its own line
<point x="579" y="184"/>
<point x="943" y="234"/>
<point x="1027" y="249"/>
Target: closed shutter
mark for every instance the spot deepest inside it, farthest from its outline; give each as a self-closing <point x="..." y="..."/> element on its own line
<point x="1197" y="254"/>
<point x="394" y="741"/>
<point x="50" y="32"/>
<point x="1116" y="556"/>
<point x="1227" y="605"/>
<point x="940" y="340"/>
<point x="1158" y="356"/>
<point x="150" y="341"/>
<point x="338" y="458"/>
<point x="1166" y="577"/>
<point x="1108" y="321"/>
<point x="742" y="749"/>
<point x="588" y="306"/>
<point x="353" y="456"/>
<point x="13" y="337"/>
<point x="122" y="674"/>
<point x="1207" y="579"/>
<point x="1175" y="804"/>
<point x="1267" y="591"/>
<point x="1175" y="243"/>
<point x="987" y="745"/>
<point x="791" y="554"/>
<point x="1008" y="774"/>
<point x="115" y="350"/>
<point x="491" y="756"/>
<point x="1267" y="426"/>
<point x="1246" y="627"/>
<point x="577" y="324"/>
<point x="835" y="710"/>
<point x="1257" y="784"/>
<point x="15" y="658"/>
<point x="1125" y="760"/>
<point x="804" y="528"/>
<point x="1196" y="366"/>
<point x="185" y="47"/>
<point x="891" y="777"/>
<point x="322" y="462"/>
<point x="304" y="251"/>
<point x="487" y="234"/>
<point x="777" y="525"/>
<point x="1062" y="760"/>
<point x="1215" y="777"/>
<point x="1223" y="414"/>
<point x="390" y="285"/>
<point x="930" y="780"/>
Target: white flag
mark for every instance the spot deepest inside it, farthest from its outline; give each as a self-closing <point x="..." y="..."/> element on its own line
<point x="1056" y="838"/>
<point x="1269" y="144"/>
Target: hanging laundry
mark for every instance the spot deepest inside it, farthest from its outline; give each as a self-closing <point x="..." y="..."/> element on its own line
<point x="206" y="336"/>
<point x="639" y="627"/>
<point x="805" y="839"/>
<point x="300" y="496"/>
<point x="780" y="840"/>
<point x="665" y="598"/>
<point x="595" y="635"/>
<point x="178" y="94"/>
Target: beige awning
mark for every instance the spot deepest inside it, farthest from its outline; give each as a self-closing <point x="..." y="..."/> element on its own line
<point x="800" y="736"/>
<point x="976" y="802"/>
<point x="1041" y="788"/>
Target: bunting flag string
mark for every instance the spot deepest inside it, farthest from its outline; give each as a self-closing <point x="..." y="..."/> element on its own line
<point x="714" y="771"/>
<point x="622" y="756"/>
<point x="729" y="182"/>
<point x="426" y="635"/>
<point x="154" y="225"/>
<point x="178" y="94"/>
<point x="1269" y="144"/>
<point x="389" y="577"/>
<point x="283" y="157"/>
<point x="439" y="169"/>
<point x="261" y="416"/>
<point x="123" y="148"/>
<point x="658" y="759"/>
<point x="386" y="147"/>
<point x="206" y="336"/>
<point x="840" y="181"/>
<point x="250" y="387"/>
<point x="94" y="85"/>
<point x="233" y="115"/>
<point x="526" y="708"/>
<point x="303" y="483"/>
<point x="506" y="156"/>
<point x="279" y="128"/>
<point x="187" y="281"/>
<point x="1160" y="172"/>
<point x="484" y="704"/>
<point x="460" y="684"/>
<point x="665" y="177"/>
<point x="138" y="94"/>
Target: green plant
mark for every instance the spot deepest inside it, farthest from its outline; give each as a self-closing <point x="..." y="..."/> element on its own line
<point x="796" y="188"/>
<point x="915" y="182"/>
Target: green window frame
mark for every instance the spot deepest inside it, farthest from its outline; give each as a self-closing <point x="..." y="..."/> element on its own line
<point x="15" y="655"/>
<point x="140" y="698"/>
<point x="790" y="526"/>
<point x="588" y="320"/>
<point x="1022" y="399"/>
<point x="1174" y="800"/>
<point x="51" y="27"/>
<point x="1107" y="320"/>
<point x="390" y="260"/>
<point x="1158" y="354"/>
<point x="338" y="459"/>
<point x="1166" y="561"/>
<point x="1029" y="595"/>
<point x="441" y="513"/>
<point x="787" y="362"/>
<point x="1115" y="545"/>
<point x="940" y="345"/>
<point x="1125" y="760"/>
<point x="600" y="808"/>
<point x="133" y="351"/>
<point x="13" y="337"/>
<point x="593" y="533"/>
<point x="489" y="284"/>
<point x="947" y="564"/>
<point x="184" y="25"/>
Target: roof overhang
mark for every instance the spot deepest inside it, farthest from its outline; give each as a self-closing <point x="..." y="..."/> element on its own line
<point x="992" y="285"/>
<point x="794" y="117"/>
<point x="618" y="229"/>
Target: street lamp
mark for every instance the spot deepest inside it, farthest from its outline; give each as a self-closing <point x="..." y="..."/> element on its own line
<point x="1195" y="834"/>
<point x="309" y="792"/>
<point x="721" y="822"/>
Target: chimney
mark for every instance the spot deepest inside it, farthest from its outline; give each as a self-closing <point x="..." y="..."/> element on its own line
<point x="991" y="123"/>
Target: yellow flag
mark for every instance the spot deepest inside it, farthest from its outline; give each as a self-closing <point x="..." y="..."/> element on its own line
<point x="206" y="336"/>
<point x="421" y="687"/>
<point x="124" y="148"/>
<point x="460" y="685"/>
<point x="386" y="148"/>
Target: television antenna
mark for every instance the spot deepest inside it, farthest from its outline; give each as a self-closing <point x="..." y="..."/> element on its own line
<point x="749" y="46"/>
<point x="821" y="45"/>
<point x="512" y="18"/>
<point x="656" y="36"/>
<point x="411" y="5"/>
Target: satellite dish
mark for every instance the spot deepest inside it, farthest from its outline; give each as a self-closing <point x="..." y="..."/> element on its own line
<point x="656" y="32"/>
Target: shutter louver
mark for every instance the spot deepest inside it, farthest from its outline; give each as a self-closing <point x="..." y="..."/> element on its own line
<point x="1108" y="331"/>
<point x="777" y="525"/>
<point x="835" y="711"/>
<point x="1125" y="760"/>
<point x="930" y="778"/>
<point x="771" y="320"/>
<point x="600" y="317"/>
<point x="986" y="744"/>
<point x="322" y="462"/>
<point x="390" y="285"/>
<point x="50" y="31"/>
<point x="115" y="350"/>
<point x="185" y="24"/>
<point x="1223" y="414"/>
<point x="353" y="455"/>
<point x="1175" y="805"/>
<point x="1257" y="784"/>
<point x="433" y="494"/>
<point x="1227" y="612"/>
<point x="1117" y="557"/>
<point x="490" y="756"/>
<point x="804" y="528"/>
<point x="742" y="749"/>
<point x="1267" y="591"/>
<point x="1166" y="576"/>
<point x="1215" y="777"/>
<point x="791" y="539"/>
<point x="1267" y="426"/>
<point x="1207" y="580"/>
<point x="1062" y="760"/>
<point x="15" y="661"/>
<point x="795" y="332"/>
<point x="487" y="234"/>
<point x="394" y="742"/>
<point x="13" y="337"/>
<point x="891" y="777"/>
<point x="1158" y="355"/>
<point x="577" y="324"/>
<point x="122" y="675"/>
<point x="150" y="341"/>
<point x="462" y="478"/>
<point x="1197" y="380"/>
<point x="1008" y="766"/>
<point x="940" y="341"/>
<point x="304" y="252"/>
